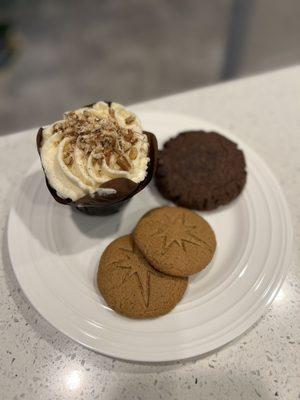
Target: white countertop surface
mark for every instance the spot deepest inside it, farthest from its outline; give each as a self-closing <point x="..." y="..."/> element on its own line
<point x="38" y="362"/>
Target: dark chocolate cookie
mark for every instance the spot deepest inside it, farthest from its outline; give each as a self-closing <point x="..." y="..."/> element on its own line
<point x="201" y="170"/>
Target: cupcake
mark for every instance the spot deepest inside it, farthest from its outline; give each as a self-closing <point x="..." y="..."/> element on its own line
<point x="97" y="157"/>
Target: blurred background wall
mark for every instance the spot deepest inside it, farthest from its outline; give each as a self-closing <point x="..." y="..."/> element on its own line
<point x="60" y="54"/>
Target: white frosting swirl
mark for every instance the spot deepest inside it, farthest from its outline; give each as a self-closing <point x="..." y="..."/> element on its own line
<point x="74" y="155"/>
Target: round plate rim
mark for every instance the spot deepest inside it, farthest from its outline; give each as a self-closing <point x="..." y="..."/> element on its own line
<point x="242" y="327"/>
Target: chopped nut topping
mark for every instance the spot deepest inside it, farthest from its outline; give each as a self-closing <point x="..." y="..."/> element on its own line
<point x="129" y="120"/>
<point x="129" y="135"/>
<point x="127" y="147"/>
<point x="123" y="163"/>
<point x="68" y="159"/>
<point x="133" y="153"/>
<point x="101" y="135"/>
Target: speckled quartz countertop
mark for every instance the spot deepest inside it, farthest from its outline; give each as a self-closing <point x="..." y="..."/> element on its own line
<point x="38" y="362"/>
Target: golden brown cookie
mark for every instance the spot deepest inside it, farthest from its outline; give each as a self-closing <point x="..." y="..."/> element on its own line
<point x="175" y="240"/>
<point x="131" y="287"/>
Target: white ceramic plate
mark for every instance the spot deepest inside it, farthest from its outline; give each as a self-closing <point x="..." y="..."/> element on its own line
<point x="55" y="254"/>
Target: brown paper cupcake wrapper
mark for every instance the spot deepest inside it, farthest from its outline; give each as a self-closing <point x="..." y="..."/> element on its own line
<point x="125" y="188"/>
